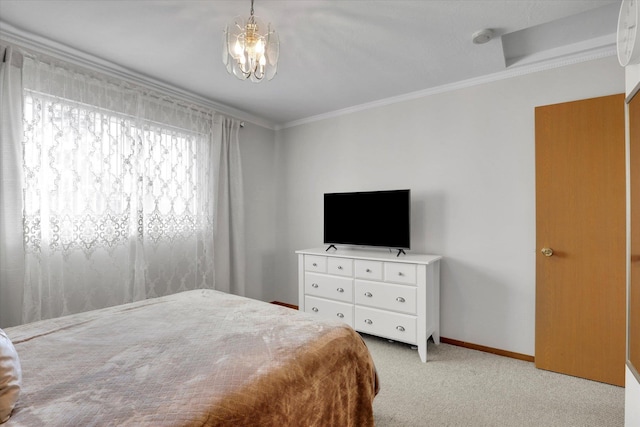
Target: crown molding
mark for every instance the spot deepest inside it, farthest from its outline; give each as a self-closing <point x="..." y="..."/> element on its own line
<point x="42" y="45"/>
<point x="513" y="71"/>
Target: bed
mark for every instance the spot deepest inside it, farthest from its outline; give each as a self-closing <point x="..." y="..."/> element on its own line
<point x="193" y="359"/>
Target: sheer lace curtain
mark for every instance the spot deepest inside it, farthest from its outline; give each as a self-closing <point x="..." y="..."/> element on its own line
<point x="119" y="192"/>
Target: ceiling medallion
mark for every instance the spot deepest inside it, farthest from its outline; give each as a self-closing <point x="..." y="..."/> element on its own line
<point x="251" y="49"/>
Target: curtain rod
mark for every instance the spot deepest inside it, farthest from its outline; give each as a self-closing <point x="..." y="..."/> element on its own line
<point x="39" y="45"/>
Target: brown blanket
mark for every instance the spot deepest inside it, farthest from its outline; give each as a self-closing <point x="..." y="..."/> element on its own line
<point x="193" y="359"/>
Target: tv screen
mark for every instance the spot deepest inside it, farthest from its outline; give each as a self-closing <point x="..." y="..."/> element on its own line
<point x="373" y="218"/>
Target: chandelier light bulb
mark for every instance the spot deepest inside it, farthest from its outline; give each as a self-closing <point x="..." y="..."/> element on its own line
<point x="238" y="50"/>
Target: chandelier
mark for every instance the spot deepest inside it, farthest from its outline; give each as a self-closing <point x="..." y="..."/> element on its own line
<point x="251" y="49"/>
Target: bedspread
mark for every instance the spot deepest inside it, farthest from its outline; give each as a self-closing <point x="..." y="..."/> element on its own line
<point x="193" y="359"/>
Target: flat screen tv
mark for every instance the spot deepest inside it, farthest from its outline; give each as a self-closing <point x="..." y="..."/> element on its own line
<point x="371" y="218"/>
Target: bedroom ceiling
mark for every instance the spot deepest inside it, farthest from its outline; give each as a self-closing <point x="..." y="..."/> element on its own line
<point x="334" y="55"/>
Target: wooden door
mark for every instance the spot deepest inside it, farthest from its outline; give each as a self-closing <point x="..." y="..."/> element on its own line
<point x="580" y="216"/>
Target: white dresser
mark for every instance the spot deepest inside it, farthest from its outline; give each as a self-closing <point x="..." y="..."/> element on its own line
<point x="376" y="292"/>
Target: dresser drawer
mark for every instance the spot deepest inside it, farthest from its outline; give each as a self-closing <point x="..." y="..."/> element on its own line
<point x="315" y="263"/>
<point x="396" y="326"/>
<point x="400" y="273"/>
<point x="329" y="309"/>
<point x="370" y="270"/>
<point x="386" y="296"/>
<point x="340" y="266"/>
<point x="321" y="285"/>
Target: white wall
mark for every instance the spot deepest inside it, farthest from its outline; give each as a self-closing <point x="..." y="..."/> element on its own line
<point x="257" y="151"/>
<point x="632" y="77"/>
<point x="632" y="385"/>
<point x="631" y="400"/>
<point x="468" y="157"/>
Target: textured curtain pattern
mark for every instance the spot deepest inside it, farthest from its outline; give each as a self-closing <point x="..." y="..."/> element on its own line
<point x="117" y="201"/>
<point x="11" y="253"/>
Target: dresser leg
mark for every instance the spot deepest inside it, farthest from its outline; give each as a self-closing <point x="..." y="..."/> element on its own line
<point x="436" y="338"/>
<point x="422" y="351"/>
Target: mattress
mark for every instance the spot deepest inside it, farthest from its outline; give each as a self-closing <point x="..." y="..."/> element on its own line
<point x="197" y="358"/>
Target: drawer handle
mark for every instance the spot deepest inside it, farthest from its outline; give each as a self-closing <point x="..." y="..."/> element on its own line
<point x="400" y="299"/>
<point x="340" y="315"/>
<point x="400" y="328"/>
<point x="400" y="273"/>
<point x="368" y="270"/>
<point x="340" y="290"/>
<point x="339" y="267"/>
<point x="315" y="309"/>
<point x="315" y="265"/>
<point x="368" y="294"/>
<point x="368" y="321"/>
<point x="314" y="285"/>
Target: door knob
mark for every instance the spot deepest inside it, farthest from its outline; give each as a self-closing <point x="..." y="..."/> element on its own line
<point x="547" y="251"/>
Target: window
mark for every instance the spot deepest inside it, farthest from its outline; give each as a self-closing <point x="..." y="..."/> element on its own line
<point x="109" y="187"/>
<point x="117" y="207"/>
<point x="96" y="178"/>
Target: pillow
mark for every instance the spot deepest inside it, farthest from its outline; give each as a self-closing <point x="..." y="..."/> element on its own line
<point x="10" y="377"/>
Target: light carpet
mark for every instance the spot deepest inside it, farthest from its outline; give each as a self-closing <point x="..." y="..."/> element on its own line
<point x="463" y="387"/>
